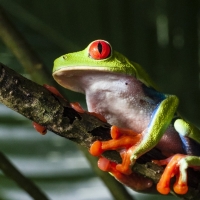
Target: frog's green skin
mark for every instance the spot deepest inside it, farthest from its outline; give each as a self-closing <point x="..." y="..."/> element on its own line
<point x="123" y="93"/>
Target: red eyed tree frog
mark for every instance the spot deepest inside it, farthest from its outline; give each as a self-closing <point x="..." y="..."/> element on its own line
<point x="142" y="117"/>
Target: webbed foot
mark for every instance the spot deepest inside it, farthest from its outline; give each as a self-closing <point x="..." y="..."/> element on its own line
<point x="134" y="181"/>
<point x="122" y="140"/>
<point x="176" y="166"/>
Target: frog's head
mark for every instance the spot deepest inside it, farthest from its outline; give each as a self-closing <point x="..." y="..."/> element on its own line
<point x="97" y="57"/>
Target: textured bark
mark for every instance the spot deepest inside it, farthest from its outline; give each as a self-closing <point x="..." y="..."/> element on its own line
<point x="38" y="104"/>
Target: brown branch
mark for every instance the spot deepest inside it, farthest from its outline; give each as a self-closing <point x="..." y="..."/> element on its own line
<point x="39" y="105"/>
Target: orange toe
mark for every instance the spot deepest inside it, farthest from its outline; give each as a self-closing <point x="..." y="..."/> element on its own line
<point x="106" y="165"/>
<point x="99" y="116"/>
<point x="125" y="167"/>
<point x="53" y="90"/>
<point x="163" y="188"/>
<point x="76" y="106"/>
<point x="180" y="188"/>
<point x="172" y="168"/>
<point x="114" y="131"/>
<point x="41" y="129"/>
<point x="96" y="148"/>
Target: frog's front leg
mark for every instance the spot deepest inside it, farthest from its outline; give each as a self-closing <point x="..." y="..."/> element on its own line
<point x="122" y="140"/>
<point x="131" y="146"/>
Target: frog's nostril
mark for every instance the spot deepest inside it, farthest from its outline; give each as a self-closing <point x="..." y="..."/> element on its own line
<point x="64" y="57"/>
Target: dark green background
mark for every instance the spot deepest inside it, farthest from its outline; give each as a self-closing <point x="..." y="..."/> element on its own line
<point x="161" y="35"/>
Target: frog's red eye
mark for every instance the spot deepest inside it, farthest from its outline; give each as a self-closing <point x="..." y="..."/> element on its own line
<point x="99" y="49"/>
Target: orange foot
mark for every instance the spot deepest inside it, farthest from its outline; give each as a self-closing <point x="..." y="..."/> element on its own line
<point x="134" y="181"/>
<point x="173" y="168"/>
<point x="122" y="140"/>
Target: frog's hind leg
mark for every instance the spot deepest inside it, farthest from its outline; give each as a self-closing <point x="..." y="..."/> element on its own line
<point x="177" y="165"/>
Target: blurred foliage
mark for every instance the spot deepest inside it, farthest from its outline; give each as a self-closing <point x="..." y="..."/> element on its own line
<point x="161" y="35"/>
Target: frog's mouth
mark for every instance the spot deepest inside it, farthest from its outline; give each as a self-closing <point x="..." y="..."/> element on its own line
<point x="77" y="78"/>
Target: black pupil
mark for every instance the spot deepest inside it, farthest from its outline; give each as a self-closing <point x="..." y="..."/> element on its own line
<point x="100" y="47"/>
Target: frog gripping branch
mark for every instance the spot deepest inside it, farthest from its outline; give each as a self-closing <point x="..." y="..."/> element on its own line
<point x="142" y="117"/>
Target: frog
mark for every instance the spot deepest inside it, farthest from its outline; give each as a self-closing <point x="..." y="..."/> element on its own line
<point x="141" y="116"/>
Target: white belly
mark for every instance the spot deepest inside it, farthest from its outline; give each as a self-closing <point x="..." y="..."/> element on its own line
<point x="119" y="98"/>
<point x="127" y="112"/>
